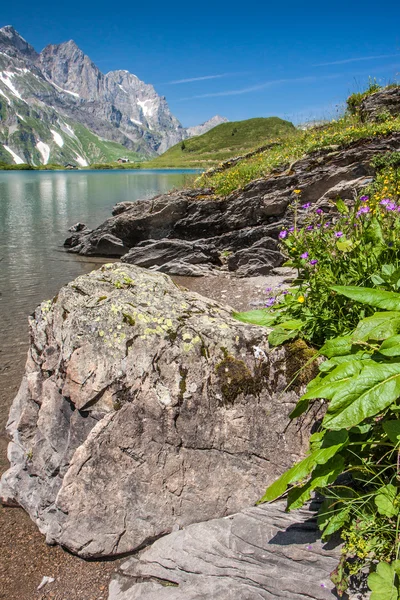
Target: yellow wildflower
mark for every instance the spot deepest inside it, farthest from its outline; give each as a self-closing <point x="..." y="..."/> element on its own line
<point x="297" y="191"/>
<point x="301" y="299"/>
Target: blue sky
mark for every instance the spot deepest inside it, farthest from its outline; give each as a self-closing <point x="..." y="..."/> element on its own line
<point x="295" y="60"/>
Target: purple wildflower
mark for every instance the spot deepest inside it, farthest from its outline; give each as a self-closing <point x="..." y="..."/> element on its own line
<point x="270" y="302"/>
<point x="364" y="198"/>
<point x="363" y="209"/>
<point x="391" y="206"/>
<point x="283" y="234"/>
<point x="319" y="211"/>
<point x="285" y="292"/>
<point x="306" y="205"/>
<point x="339" y="234"/>
<point x="291" y="229"/>
<point x="268" y="289"/>
<point x="318" y="225"/>
<point x="304" y="255"/>
<point x="327" y="224"/>
<point x="385" y="201"/>
<point x="310" y="227"/>
<point x="313" y="261"/>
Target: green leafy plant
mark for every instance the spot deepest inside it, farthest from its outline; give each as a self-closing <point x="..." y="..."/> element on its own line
<point x="357" y="244"/>
<point x="354" y="457"/>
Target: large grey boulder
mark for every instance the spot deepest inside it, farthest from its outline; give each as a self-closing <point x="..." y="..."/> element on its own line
<point x="144" y="408"/>
<point x="258" y="554"/>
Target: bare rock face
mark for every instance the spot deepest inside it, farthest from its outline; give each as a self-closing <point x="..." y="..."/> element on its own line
<point x="145" y="408"/>
<point x="381" y="104"/>
<point x="258" y="554"/>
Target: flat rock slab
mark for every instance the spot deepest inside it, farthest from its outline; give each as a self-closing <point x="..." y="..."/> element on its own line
<point x="259" y="553"/>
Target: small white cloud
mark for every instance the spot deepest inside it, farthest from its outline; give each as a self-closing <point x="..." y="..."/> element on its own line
<point x="261" y="86"/>
<point x="357" y="59"/>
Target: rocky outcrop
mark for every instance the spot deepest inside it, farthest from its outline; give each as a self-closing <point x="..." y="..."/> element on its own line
<point x="258" y="554"/>
<point x="145" y="408"/>
<point x="242" y="228"/>
<point x="381" y="104"/>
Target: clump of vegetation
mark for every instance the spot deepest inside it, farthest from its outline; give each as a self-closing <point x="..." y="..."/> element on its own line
<point x="354" y="100"/>
<point x="223" y="142"/>
<point x="354" y="456"/>
<point x="294" y="146"/>
<point x="346" y="299"/>
<point x="357" y="245"/>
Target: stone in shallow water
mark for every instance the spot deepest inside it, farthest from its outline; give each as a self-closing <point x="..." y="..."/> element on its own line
<point x="260" y="553"/>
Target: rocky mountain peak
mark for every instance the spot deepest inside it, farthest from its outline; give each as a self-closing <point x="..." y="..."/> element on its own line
<point x="204" y="127"/>
<point x="71" y="69"/>
<point x="13" y="44"/>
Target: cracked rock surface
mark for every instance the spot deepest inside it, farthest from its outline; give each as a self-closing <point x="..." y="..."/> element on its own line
<point x="260" y="553"/>
<point x="145" y="408"/>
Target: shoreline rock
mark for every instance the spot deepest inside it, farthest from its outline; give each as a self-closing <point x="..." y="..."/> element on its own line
<point x="258" y="554"/>
<point x="144" y="408"/>
<point x="243" y="226"/>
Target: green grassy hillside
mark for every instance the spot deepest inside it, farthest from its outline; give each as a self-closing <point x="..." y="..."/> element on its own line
<point x="223" y="142"/>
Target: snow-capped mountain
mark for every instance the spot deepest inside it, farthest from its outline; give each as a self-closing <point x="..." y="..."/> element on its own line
<point x="57" y="106"/>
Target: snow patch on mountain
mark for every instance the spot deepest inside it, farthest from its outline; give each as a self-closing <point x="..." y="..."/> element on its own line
<point x="5" y="77"/>
<point x="62" y="90"/>
<point x="44" y="150"/>
<point x="17" y="159"/>
<point x="81" y="161"/>
<point x="146" y="109"/>
<point x="68" y="130"/>
<point x="57" y="138"/>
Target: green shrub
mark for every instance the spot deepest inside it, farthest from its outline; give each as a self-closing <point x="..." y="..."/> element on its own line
<point x="354" y="456"/>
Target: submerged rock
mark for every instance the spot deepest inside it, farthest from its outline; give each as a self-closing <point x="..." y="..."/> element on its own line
<point x="258" y="554"/>
<point x="144" y="408"/>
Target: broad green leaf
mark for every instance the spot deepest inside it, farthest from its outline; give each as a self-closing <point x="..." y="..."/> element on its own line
<point x="365" y="395"/>
<point x="381" y="326"/>
<point x="376" y="298"/>
<point x="339" y="346"/>
<point x="377" y="279"/>
<point x="324" y="387"/>
<point x="388" y="270"/>
<point x="278" y="336"/>
<point x="382" y="583"/>
<point x="344" y="245"/>
<point x="292" y="324"/>
<point x="342" y="207"/>
<point x="328" y="365"/>
<point x="333" y="442"/>
<point x="392" y="430"/>
<point x="384" y="500"/>
<point x="321" y="476"/>
<point x="391" y="346"/>
<point x="257" y="317"/>
<point x="331" y="519"/>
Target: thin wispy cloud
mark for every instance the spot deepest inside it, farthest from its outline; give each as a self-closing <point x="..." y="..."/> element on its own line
<point x="357" y="59"/>
<point x="262" y="86"/>
<point x="205" y="77"/>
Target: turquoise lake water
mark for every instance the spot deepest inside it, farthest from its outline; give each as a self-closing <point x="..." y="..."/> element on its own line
<point x="36" y="210"/>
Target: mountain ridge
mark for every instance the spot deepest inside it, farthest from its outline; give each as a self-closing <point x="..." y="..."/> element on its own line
<point x="61" y="88"/>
